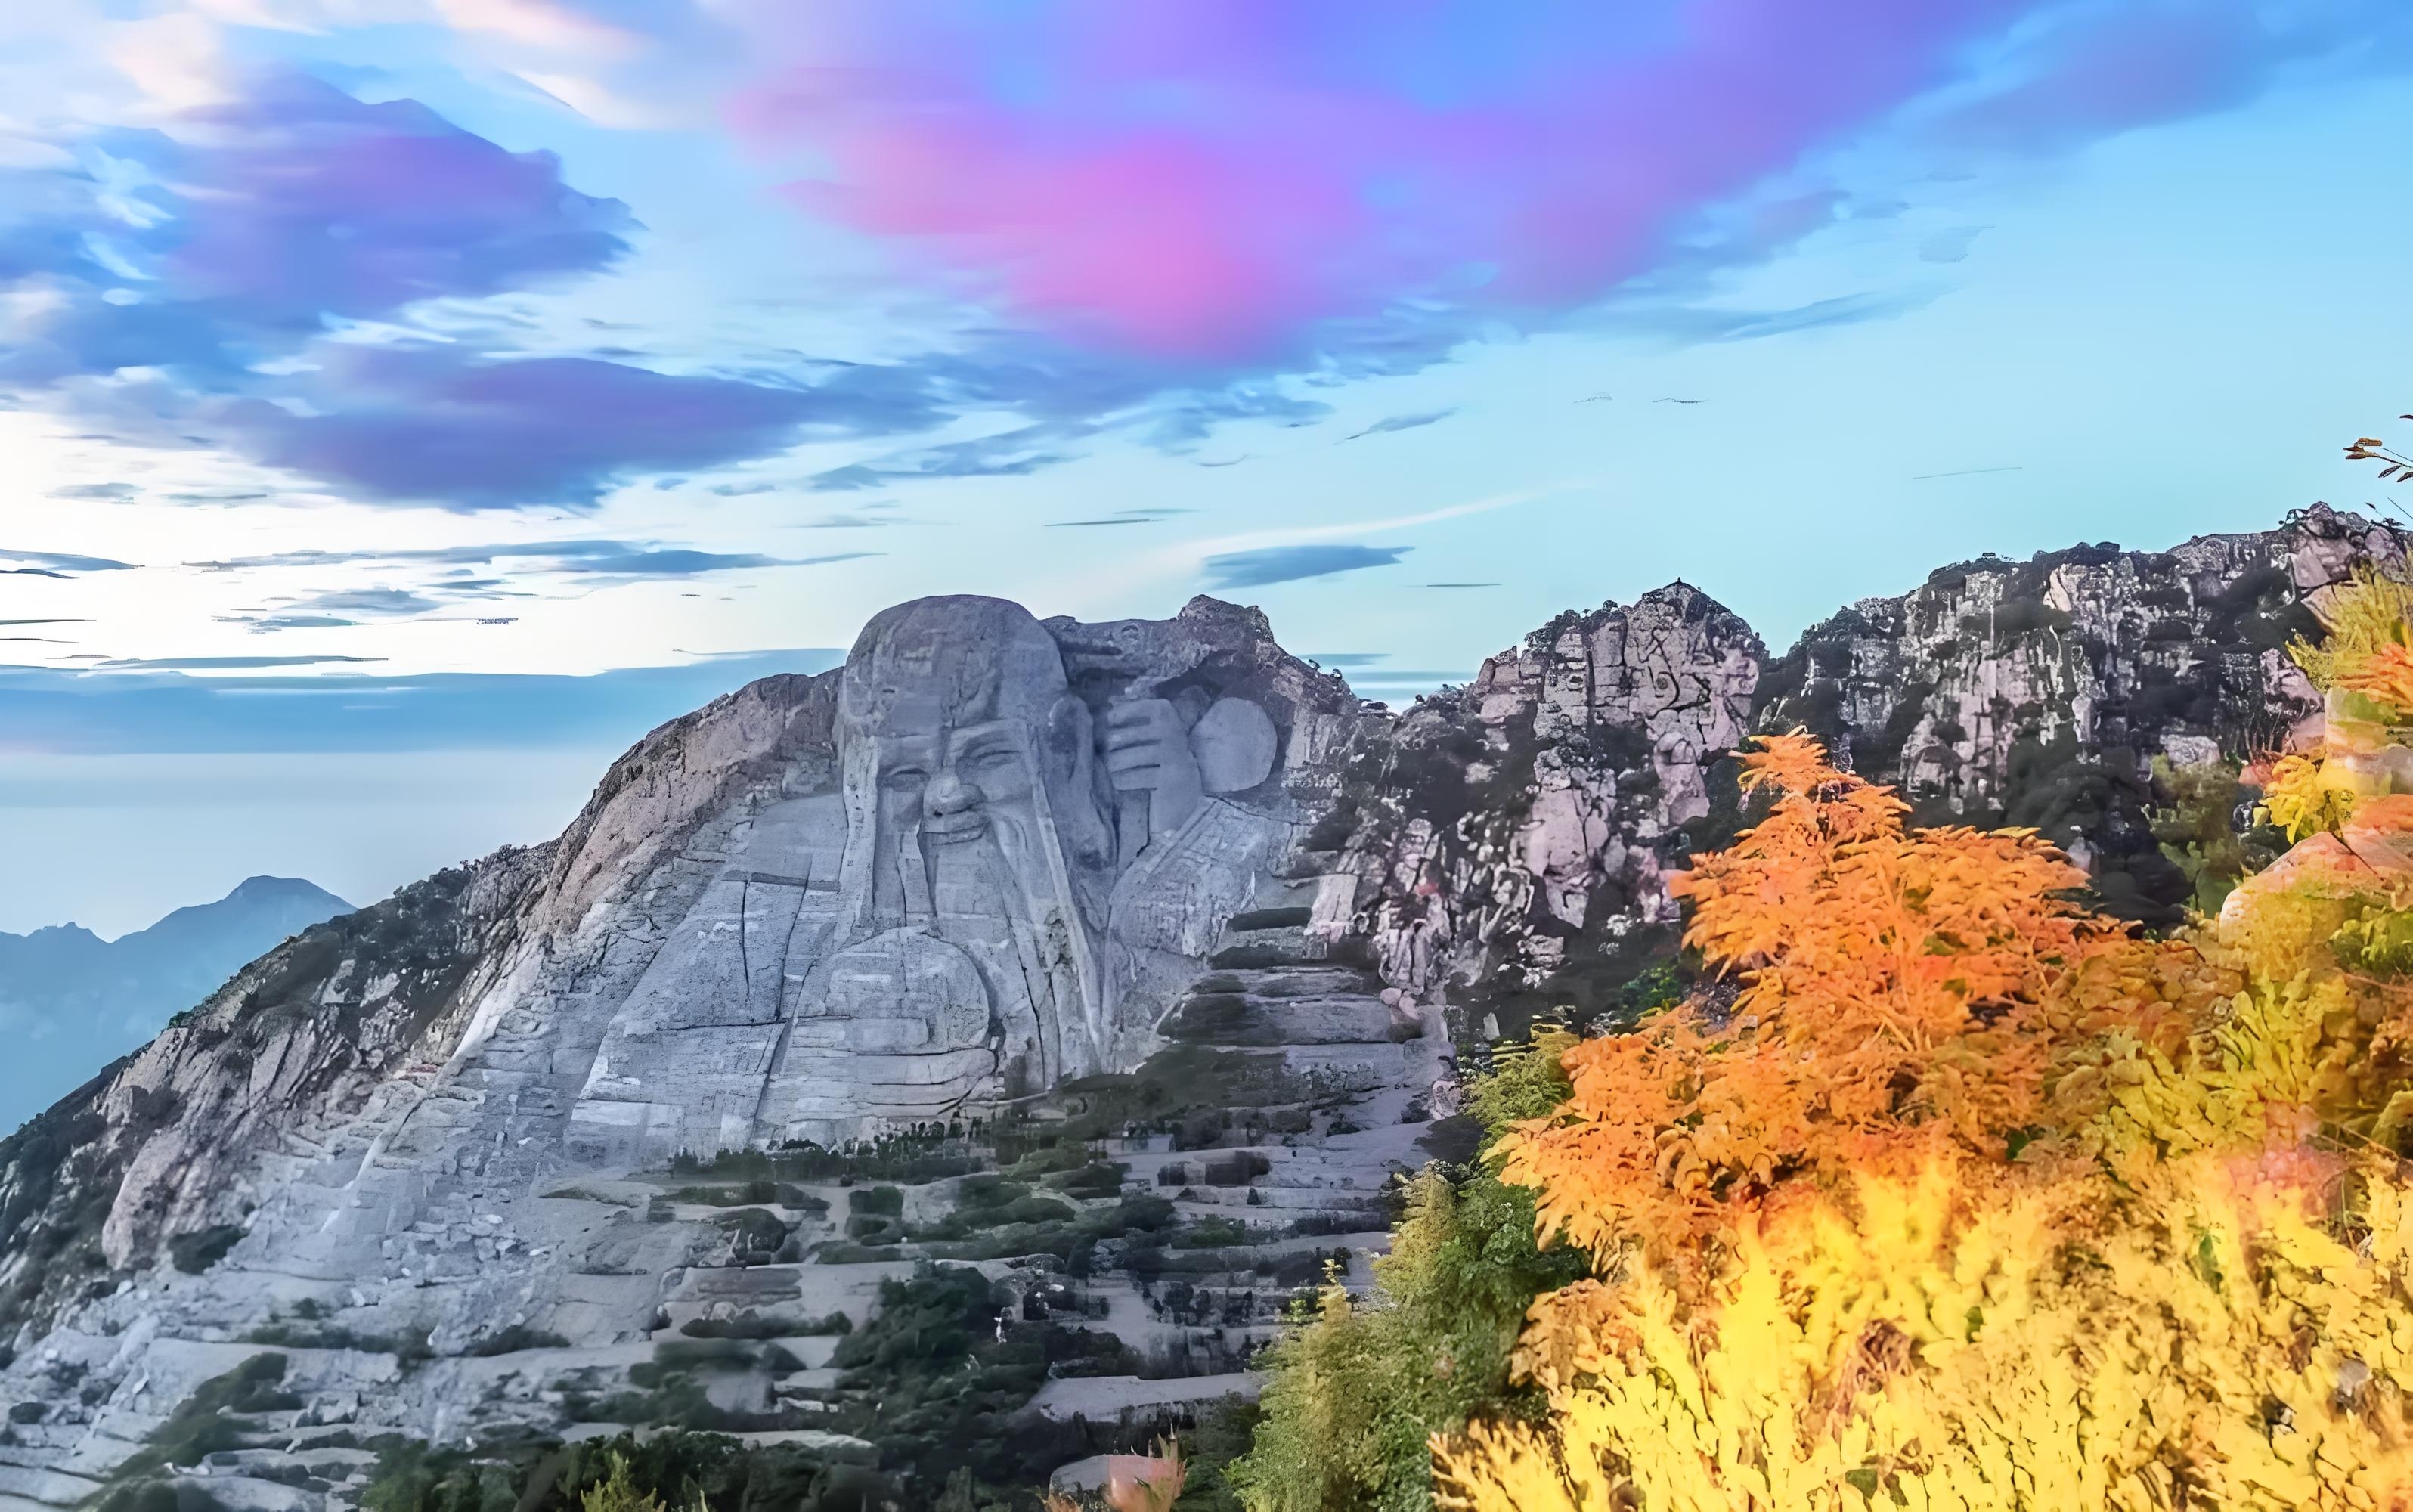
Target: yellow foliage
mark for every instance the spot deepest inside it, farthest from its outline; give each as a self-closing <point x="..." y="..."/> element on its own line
<point x="1971" y="1200"/>
<point x="2264" y="1067"/>
<point x="1899" y="999"/>
<point x="619" y="1493"/>
<point x="2360" y="619"/>
<point x="2296" y="798"/>
<point x="1938" y="1343"/>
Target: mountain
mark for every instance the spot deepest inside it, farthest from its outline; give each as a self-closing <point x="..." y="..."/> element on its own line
<point x="1118" y="966"/>
<point x="73" y="1002"/>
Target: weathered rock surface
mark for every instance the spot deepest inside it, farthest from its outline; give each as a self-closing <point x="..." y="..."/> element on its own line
<point x="1510" y="841"/>
<point x="985" y="859"/>
<point x="1154" y="898"/>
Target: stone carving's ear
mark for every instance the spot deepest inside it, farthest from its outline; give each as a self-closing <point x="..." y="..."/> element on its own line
<point x="1075" y="776"/>
<point x="1065" y="738"/>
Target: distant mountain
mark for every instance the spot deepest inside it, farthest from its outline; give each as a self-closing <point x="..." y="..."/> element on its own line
<point x="70" y="1001"/>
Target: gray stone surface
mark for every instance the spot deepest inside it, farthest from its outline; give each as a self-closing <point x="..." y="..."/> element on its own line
<point x="988" y="856"/>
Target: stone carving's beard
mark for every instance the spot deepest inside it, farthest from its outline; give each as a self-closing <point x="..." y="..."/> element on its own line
<point x="1036" y="884"/>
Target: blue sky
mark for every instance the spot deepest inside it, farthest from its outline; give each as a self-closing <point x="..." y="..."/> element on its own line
<point x="403" y="403"/>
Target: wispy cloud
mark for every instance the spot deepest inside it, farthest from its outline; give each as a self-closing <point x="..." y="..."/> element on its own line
<point x="514" y="570"/>
<point x="224" y="664"/>
<point x="1192" y="553"/>
<point x="598" y="557"/>
<point x="139" y="709"/>
<point x="1694" y="324"/>
<point x="1960" y="472"/>
<point x="1402" y="422"/>
<point x="57" y="563"/>
<point x="1143" y="516"/>
<point x="1270" y="565"/>
<point x="1950" y="246"/>
<point x="843" y="520"/>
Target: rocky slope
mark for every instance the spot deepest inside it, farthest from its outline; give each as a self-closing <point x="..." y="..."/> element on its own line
<point x="440" y="1158"/>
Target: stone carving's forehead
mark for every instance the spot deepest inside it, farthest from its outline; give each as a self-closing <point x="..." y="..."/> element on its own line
<point x="944" y="663"/>
<point x="926" y="706"/>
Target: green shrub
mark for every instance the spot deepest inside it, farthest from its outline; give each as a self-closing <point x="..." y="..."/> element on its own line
<point x="517" y="1337"/>
<point x="756" y="1326"/>
<point x="1097" y="1180"/>
<point x="1356" y="1390"/>
<point x="887" y="1202"/>
<point x="213" y="1417"/>
<point x="754" y="1233"/>
<point x="196" y="1253"/>
<point x="677" y="1468"/>
<point x="930" y="1380"/>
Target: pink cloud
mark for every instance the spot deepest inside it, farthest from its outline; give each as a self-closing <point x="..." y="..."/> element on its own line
<point x="1207" y="178"/>
<point x="1210" y="179"/>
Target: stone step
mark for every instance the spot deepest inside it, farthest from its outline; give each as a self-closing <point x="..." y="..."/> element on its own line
<point x="1317" y="981"/>
<point x="1239" y="1020"/>
<point x="1258" y="948"/>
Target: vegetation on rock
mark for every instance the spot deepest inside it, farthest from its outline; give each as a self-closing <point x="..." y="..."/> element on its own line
<point x="1357" y="1389"/>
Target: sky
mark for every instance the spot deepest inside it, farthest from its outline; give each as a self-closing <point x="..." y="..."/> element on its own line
<point x="405" y="404"/>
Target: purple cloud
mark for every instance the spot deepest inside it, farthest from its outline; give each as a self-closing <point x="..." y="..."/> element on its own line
<point x="1215" y="180"/>
<point x="237" y="239"/>
<point x="422" y="424"/>
<point x="302" y="202"/>
<point x="2088" y="69"/>
<point x="299" y="204"/>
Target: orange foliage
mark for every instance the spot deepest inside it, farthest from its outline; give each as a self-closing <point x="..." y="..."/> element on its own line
<point x="1902" y="997"/>
<point x="2385" y="674"/>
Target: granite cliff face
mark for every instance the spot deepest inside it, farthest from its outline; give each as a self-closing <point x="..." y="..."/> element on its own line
<point x="1511" y="838"/>
<point x="915" y="898"/>
<point x="1121" y="961"/>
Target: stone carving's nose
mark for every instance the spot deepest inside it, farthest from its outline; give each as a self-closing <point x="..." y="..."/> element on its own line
<point x="949" y="795"/>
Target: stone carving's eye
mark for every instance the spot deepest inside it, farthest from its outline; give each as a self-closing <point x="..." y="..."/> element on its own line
<point x="990" y="757"/>
<point x="906" y="779"/>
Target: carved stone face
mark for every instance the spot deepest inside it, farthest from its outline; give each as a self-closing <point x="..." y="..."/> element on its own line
<point x="971" y="810"/>
<point x="948" y="780"/>
<point x="956" y="725"/>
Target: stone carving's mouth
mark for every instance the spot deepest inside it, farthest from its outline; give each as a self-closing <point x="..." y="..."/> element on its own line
<point x="953" y="829"/>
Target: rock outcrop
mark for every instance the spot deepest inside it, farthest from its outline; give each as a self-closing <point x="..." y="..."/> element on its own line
<point x="1037" y="947"/>
<point x="987" y="860"/>
<point x="1512" y="837"/>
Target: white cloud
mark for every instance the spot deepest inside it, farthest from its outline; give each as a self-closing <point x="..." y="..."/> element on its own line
<point x="537" y="24"/>
<point x="176" y="60"/>
<point x="600" y="104"/>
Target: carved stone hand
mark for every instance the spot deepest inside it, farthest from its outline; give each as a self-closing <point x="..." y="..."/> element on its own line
<point x="1147" y="751"/>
